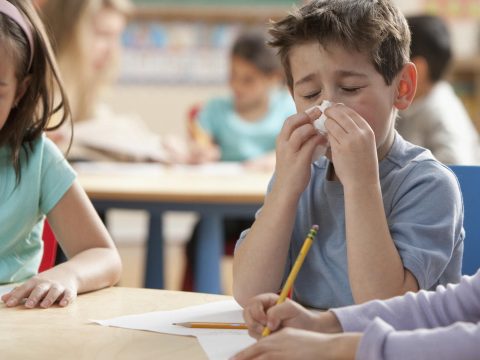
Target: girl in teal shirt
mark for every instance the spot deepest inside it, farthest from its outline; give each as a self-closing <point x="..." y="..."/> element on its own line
<point x="36" y="180"/>
<point x="244" y="125"/>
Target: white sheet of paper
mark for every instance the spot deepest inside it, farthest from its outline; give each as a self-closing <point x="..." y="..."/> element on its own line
<point x="119" y="168"/>
<point x="222" y="168"/>
<point x="215" y="347"/>
<point x="222" y="347"/>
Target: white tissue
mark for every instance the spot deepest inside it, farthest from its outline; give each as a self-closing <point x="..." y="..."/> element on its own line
<point x="319" y="124"/>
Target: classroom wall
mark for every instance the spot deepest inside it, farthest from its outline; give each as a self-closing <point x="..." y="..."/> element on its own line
<point x="163" y="107"/>
<point x="409" y="6"/>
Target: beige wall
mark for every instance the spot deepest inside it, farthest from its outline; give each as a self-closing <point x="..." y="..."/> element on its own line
<point x="164" y="108"/>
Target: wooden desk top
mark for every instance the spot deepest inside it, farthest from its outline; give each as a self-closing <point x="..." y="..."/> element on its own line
<point x="186" y="184"/>
<point x="66" y="333"/>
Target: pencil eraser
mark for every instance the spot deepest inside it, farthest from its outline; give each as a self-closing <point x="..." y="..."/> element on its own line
<point x="319" y="124"/>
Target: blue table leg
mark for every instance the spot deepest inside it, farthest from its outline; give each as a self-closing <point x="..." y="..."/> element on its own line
<point x="209" y="254"/>
<point x="154" y="267"/>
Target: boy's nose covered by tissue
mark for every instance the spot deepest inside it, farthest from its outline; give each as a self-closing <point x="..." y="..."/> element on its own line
<point x="319" y="124"/>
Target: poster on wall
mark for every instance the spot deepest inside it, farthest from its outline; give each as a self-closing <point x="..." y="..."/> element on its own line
<point x="176" y="52"/>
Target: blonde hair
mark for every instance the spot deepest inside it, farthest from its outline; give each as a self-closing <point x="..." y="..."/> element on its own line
<point x="27" y="121"/>
<point x="67" y="21"/>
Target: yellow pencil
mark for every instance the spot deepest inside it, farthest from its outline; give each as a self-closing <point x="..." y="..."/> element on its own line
<point x="295" y="269"/>
<point x="200" y="135"/>
<point x="212" y="325"/>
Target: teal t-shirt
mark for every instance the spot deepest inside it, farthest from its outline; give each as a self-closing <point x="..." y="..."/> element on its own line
<point x="45" y="178"/>
<point x="239" y="139"/>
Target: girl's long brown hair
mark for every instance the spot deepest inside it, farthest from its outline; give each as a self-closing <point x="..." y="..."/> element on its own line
<point x="45" y="93"/>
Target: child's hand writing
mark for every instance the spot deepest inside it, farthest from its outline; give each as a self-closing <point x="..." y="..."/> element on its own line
<point x="44" y="290"/>
<point x="301" y="344"/>
<point x="353" y="147"/>
<point x="262" y="310"/>
<point x="295" y="146"/>
<point x="200" y="154"/>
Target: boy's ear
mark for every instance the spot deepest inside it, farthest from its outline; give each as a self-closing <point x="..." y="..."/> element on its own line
<point x="406" y="86"/>
<point x="22" y="88"/>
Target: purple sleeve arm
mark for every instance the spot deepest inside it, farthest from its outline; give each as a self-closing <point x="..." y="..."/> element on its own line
<point x="458" y="341"/>
<point x="425" y="309"/>
<point x="444" y="324"/>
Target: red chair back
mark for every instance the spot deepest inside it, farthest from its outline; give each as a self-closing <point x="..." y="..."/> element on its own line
<point x="49" y="248"/>
<point x="192" y="119"/>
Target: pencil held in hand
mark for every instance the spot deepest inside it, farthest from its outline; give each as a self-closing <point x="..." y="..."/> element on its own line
<point x="295" y="269"/>
<point x="199" y="134"/>
<point x="213" y="325"/>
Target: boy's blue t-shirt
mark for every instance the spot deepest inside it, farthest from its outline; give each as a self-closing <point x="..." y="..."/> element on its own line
<point x="239" y="139"/>
<point x="424" y="211"/>
<point x="45" y="178"/>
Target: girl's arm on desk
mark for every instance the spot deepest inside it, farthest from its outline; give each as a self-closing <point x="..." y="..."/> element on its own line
<point x="93" y="262"/>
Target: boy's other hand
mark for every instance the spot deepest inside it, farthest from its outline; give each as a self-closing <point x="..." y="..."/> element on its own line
<point x="353" y="147"/>
<point x="295" y="146"/>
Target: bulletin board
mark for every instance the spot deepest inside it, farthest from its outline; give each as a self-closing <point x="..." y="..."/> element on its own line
<point x="188" y="41"/>
<point x="177" y="52"/>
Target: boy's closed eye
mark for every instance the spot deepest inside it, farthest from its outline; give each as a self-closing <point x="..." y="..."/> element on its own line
<point x="352" y="89"/>
<point x="312" y="95"/>
<point x="309" y="95"/>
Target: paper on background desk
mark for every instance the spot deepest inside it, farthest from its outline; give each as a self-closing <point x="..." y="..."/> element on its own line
<point x="119" y="168"/>
<point x="217" y="343"/>
<point x="224" y="168"/>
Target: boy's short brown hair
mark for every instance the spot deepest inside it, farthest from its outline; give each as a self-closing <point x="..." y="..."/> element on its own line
<point x="375" y="27"/>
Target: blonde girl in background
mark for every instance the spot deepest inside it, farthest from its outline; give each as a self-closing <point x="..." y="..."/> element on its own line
<point x="86" y="38"/>
<point x="35" y="178"/>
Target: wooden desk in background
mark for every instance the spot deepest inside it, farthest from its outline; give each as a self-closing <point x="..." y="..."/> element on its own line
<point x="213" y="192"/>
<point x="67" y="333"/>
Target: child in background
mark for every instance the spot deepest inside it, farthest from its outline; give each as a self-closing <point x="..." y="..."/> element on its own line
<point x="36" y="180"/>
<point x="437" y="120"/>
<point x="389" y="215"/>
<point x="242" y="127"/>
<point x="86" y="38"/>
<point x="440" y="325"/>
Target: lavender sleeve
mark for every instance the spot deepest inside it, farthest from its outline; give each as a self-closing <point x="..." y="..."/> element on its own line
<point x="460" y="341"/>
<point x="403" y="327"/>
